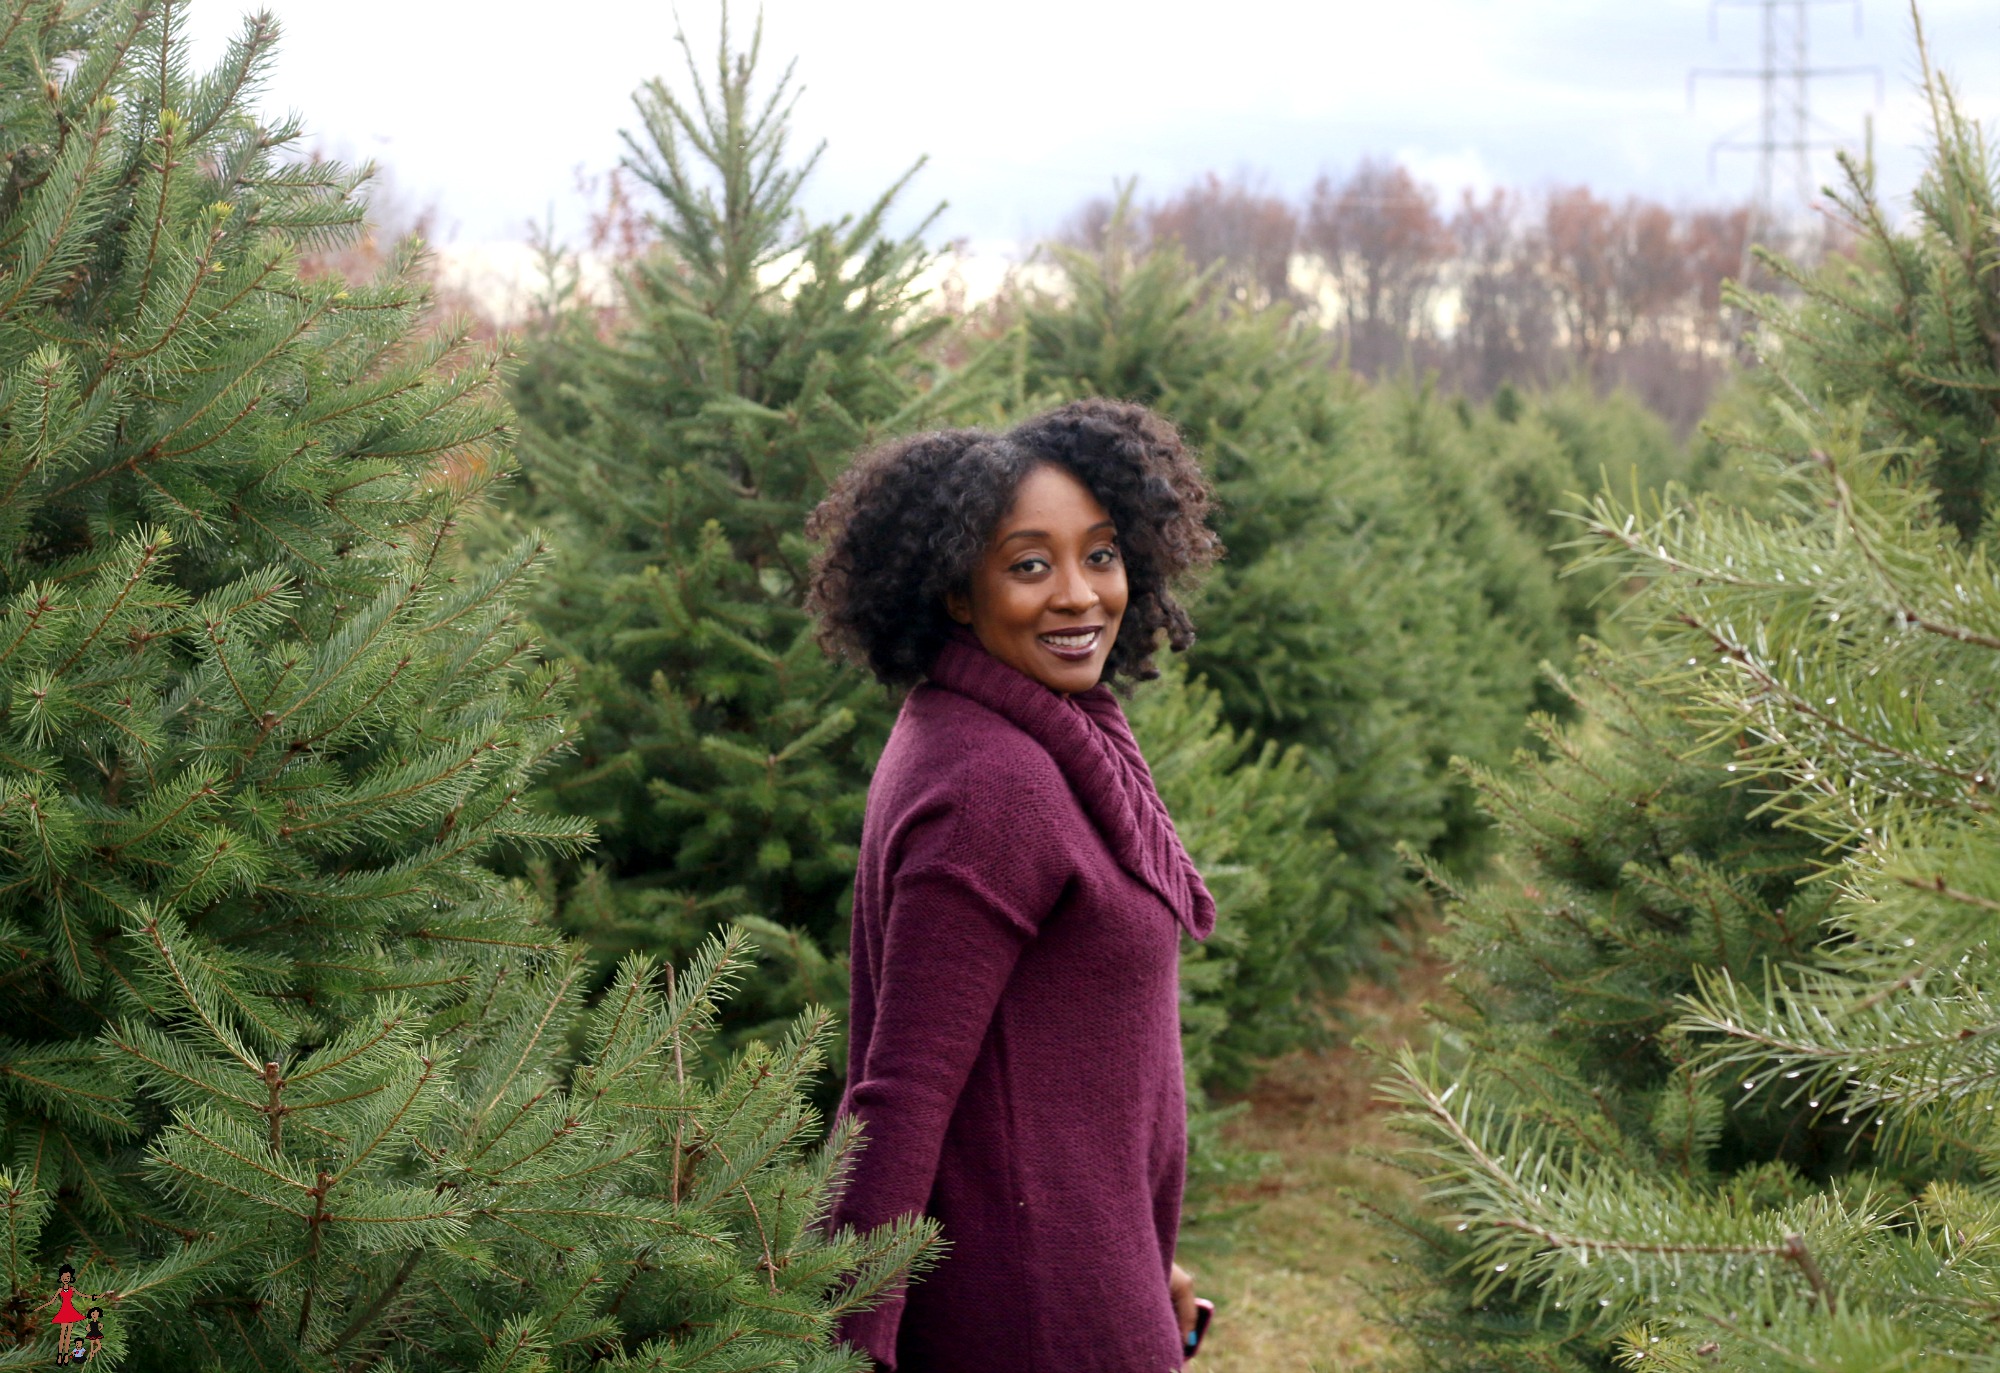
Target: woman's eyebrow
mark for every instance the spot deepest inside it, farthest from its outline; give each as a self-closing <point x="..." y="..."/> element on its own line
<point x="1043" y="533"/>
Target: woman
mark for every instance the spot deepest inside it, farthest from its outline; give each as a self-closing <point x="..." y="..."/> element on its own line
<point x="66" y="1315"/>
<point x="1014" y="1059"/>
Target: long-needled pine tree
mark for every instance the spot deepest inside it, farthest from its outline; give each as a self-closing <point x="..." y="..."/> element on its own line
<point x="290" y="1077"/>
<point x="1838" y="650"/>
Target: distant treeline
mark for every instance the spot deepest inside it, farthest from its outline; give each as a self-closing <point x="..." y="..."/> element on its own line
<point x="1512" y="288"/>
<point x="1529" y="290"/>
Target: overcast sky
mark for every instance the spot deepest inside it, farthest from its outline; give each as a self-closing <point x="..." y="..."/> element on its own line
<point x="489" y="108"/>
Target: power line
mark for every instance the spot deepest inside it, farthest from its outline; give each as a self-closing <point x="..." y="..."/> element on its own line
<point x="1786" y="128"/>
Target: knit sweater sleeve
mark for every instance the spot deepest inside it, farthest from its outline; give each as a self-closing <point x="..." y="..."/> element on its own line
<point x="972" y="884"/>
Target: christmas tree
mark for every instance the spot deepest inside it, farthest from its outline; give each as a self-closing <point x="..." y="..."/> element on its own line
<point x="289" y="1071"/>
<point x="723" y="756"/>
<point x="1282" y="932"/>
<point x="1837" y="651"/>
<point x="1385" y="600"/>
<point x="1627" y="866"/>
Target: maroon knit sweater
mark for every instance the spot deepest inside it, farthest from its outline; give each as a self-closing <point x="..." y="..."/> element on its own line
<point x="1015" y="1056"/>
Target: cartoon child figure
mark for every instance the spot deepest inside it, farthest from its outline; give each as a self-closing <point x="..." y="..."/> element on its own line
<point x="96" y="1331"/>
<point x="77" y="1353"/>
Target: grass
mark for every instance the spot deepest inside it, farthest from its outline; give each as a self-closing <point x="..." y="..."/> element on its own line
<point x="1286" y="1294"/>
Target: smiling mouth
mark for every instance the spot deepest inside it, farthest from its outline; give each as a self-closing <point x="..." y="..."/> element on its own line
<point x="1073" y="642"/>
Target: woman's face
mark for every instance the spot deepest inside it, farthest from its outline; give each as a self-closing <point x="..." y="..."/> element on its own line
<point x="1050" y="589"/>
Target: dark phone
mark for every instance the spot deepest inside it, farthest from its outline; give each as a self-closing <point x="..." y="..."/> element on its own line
<point x="1204" y="1311"/>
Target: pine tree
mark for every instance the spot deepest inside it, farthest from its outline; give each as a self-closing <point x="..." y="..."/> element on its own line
<point x="1380" y="606"/>
<point x="1840" y="645"/>
<point x="1534" y="454"/>
<point x="287" y="1067"/>
<point x="1627" y="867"/>
<point x="1282" y="931"/>
<point x="724" y="758"/>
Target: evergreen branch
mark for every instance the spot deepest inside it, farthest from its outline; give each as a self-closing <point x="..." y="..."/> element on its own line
<point x="763" y="1236"/>
<point x="391" y="1123"/>
<point x="147" y="546"/>
<point x="159" y="1061"/>
<point x="382" y="615"/>
<point x="1771" y="685"/>
<point x="392" y="1024"/>
<point x="168" y="140"/>
<point x="191" y="797"/>
<point x="1599" y="1243"/>
<point x="370" y="1313"/>
<point x="190" y="1173"/>
<point x="501" y="577"/>
<point x="552" y="1005"/>
<point x="183" y="979"/>
<point x="299" y="554"/>
<point x="1939" y="886"/>
<point x="14" y="22"/>
<point x="55" y="250"/>
<point x="605" y="1163"/>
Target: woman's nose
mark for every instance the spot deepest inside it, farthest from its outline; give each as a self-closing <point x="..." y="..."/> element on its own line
<point x="1073" y="590"/>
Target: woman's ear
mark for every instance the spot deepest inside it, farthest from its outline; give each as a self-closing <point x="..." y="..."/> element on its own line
<point x="959" y="606"/>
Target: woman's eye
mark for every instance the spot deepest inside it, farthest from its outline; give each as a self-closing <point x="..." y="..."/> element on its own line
<point x="1110" y="555"/>
<point x="1025" y="565"/>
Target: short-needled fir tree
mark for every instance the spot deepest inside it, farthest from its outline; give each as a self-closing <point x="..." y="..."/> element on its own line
<point x="1844" y="647"/>
<point x="1628" y="866"/>
<point x="1244" y="811"/>
<point x="723" y="756"/>
<point x="1256" y="986"/>
<point x="288" y="1074"/>
<point x="1382" y="605"/>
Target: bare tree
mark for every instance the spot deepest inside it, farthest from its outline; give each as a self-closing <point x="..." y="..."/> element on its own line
<point x="1249" y="233"/>
<point x="1537" y="289"/>
<point x="1505" y="326"/>
<point x="1578" y="231"/>
<point x="1379" y="236"/>
<point x="1245" y="234"/>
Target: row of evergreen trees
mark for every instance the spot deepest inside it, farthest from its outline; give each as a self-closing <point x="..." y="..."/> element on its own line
<point x="1384" y="605"/>
<point x="1719" y="1090"/>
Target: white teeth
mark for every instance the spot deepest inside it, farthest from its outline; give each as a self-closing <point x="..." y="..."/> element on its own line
<point x="1071" y="640"/>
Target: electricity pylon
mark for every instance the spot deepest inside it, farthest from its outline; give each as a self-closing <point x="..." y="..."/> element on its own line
<point x="1786" y="130"/>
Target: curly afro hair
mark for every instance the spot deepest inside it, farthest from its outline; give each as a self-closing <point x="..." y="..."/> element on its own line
<point x="909" y="521"/>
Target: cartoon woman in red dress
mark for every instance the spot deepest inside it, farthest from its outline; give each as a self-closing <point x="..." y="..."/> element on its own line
<point x="67" y="1315"/>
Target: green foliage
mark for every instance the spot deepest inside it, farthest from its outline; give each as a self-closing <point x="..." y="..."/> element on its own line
<point x="1540" y="454"/>
<point x="1628" y="867"/>
<point x="1908" y="327"/>
<point x="1386" y="598"/>
<point x="1843" y="644"/>
<point x="287" y="1067"/>
<point x="724" y="758"/>
<point x="1282" y="931"/>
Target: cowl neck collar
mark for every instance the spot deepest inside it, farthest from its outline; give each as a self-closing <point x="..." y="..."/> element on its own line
<point x="1088" y="736"/>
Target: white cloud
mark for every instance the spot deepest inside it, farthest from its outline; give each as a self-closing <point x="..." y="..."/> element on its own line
<point x="489" y="107"/>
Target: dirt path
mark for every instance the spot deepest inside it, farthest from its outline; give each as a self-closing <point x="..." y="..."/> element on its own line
<point x="1286" y="1296"/>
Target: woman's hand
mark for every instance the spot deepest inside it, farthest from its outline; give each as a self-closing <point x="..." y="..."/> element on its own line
<point x="1180" y="1286"/>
